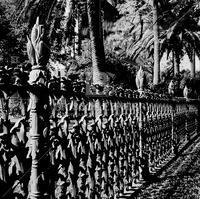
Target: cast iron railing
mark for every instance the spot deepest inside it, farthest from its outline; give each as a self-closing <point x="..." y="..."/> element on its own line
<point x="90" y="146"/>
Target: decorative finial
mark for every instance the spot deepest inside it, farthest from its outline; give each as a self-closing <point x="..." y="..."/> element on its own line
<point x="38" y="53"/>
<point x="171" y="88"/>
<point x="185" y="92"/>
<point x="140" y="77"/>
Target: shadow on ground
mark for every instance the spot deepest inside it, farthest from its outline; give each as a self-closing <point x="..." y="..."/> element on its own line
<point x="179" y="178"/>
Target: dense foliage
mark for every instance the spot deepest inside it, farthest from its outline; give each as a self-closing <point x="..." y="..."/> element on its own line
<point x="13" y="35"/>
<point x="128" y="33"/>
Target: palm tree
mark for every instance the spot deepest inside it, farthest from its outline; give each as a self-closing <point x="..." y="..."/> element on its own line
<point x="97" y="47"/>
<point x="46" y="9"/>
<point x="143" y="32"/>
<point x="182" y="36"/>
<point x="178" y="32"/>
<point x="156" y="76"/>
<point x="193" y="66"/>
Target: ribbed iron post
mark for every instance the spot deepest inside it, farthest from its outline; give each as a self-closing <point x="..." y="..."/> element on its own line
<point x="37" y="51"/>
<point x="35" y="136"/>
<point x="173" y="137"/>
<point x="140" y="142"/>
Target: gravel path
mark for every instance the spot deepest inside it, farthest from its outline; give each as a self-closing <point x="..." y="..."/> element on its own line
<point x="180" y="180"/>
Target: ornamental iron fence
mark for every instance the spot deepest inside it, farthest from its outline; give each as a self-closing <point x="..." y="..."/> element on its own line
<point x="59" y="145"/>
<point x="60" y="139"/>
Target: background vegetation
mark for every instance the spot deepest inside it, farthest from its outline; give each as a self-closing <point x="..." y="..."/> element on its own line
<point x="128" y="36"/>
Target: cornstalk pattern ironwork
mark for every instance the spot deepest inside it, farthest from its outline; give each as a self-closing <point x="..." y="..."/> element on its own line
<point x="84" y="146"/>
<point x="128" y="140"/>
<point x="37" y="51"/>
<point x="90" y="153"/>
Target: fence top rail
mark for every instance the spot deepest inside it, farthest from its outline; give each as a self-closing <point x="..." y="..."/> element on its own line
<point x="144" y="99"/>
<point x="126" y="96"/>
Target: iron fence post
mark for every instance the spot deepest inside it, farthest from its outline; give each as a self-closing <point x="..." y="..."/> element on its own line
<point x="186" y="122"/>
<point x="198" y="116"/>
<point x="37" y="52"/>
<point x="143" y="156"/>
<point x="173" y="136"/>
<point x="35" y="136"/>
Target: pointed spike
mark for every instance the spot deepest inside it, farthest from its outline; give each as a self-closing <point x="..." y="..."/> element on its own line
<point x="37" y="21"/>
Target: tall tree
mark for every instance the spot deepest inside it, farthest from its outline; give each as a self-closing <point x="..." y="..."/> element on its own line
<point x="97" y="47"/>
<point x="135" y="29"/>
<point x="156" y="76"/>
<point x="193" y="64"/>
<point x="178" y="29"/>
<point x="45" y="8"/>
<point x="182" y="35"/>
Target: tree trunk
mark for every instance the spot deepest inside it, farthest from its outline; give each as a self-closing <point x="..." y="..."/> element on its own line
<point x="177" y="73"/>
<point x="68" y="11"/>
<point x="176" y="61"/>
<point x="97" y="46"/>
<point x="77" y="31"/>
<point x="193" y="65"/>
<point x="156" y="77"/>
<point x="173" y="63"/>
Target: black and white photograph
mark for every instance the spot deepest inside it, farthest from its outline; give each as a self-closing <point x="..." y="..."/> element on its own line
<point x="99" y="99"/>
